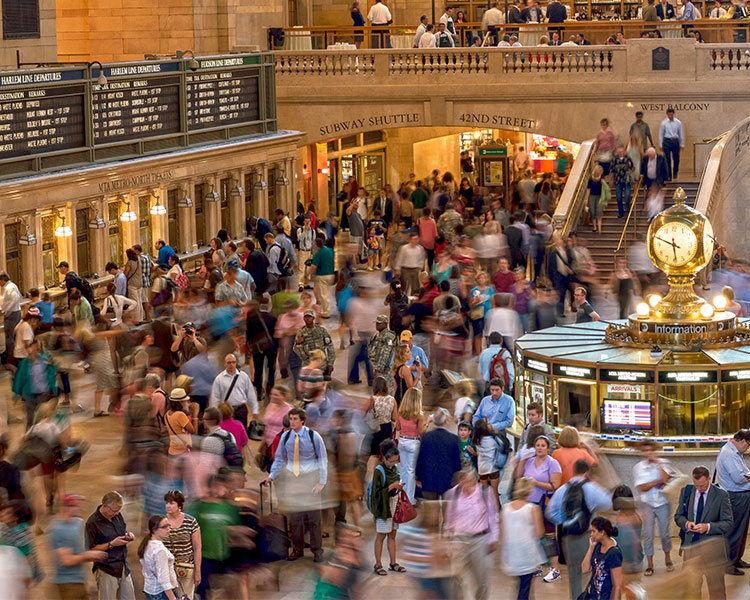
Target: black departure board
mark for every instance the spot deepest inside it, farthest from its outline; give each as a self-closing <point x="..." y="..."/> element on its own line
<point x="38" y="120"/>
<point x="221" y="98"/>
<point x="136" y="108"/>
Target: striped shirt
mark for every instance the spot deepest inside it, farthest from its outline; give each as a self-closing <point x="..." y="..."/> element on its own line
<point x="146" y="266"/>
<point x="180" y="540"/>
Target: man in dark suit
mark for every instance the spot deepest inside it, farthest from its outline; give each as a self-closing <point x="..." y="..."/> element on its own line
<point x="703" y="514"/>
<point x="664" y="10"/>
<point x="654" y="169"/>
<point x="439" y="458"/>
<point x="556" y="12"/>
<point x="514" y="15"/>
<point x="532" y="13"/>
<point x="582" y="41"/>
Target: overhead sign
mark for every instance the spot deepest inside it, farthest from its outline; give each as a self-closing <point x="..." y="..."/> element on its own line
<point x="735" y="375"/>
<point x="536" y="365"/>
<point x="623" y="388"/>
<point x="498" y="151"/>
<point x="626" y="375"/>
<point x="571" y="371"/>
<point x="687" y="377"/>
<point x="222" y="98"/>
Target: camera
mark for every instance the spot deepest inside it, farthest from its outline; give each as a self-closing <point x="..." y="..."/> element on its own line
<point x="189" y="328"/>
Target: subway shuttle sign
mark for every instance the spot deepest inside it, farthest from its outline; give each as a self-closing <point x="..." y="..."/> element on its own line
<point x="389" y="120"/>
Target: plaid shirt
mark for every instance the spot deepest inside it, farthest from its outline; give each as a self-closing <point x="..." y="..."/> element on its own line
<point x="146" y="266"/>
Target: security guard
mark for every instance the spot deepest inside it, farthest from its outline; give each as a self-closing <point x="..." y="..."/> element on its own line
<point x="315" y="337"/>
<point x="381" y="348"/>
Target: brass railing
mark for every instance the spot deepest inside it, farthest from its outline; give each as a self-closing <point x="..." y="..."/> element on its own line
<point x="632" y="216"/>
<point x="573" y="199"/>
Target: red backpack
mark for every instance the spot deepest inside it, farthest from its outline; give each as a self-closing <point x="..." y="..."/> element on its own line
<point x="499" y="369"/>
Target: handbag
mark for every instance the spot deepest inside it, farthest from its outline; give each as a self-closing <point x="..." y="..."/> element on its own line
<point x="255" y="430"/>
<point x="371" y="421"/>
<point x="405" y="510"/>
<point x="586" y="593"/>
<point x="184" y="570"/>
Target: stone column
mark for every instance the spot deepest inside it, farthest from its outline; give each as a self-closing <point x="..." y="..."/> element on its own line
<point x="261" y="196"/>
<point x="212" y="208"/>
<point x="186" y="215"/>
<point x="98" y="238"/>
<point x="283" y="190"/>
<point x="291" y="173"/>
<point x="31" y="256"/>
<point x="237" y="206"/>
<point x="159" y="226"/>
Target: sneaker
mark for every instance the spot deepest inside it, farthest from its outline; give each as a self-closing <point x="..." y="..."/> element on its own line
<point x="552" y="576"/>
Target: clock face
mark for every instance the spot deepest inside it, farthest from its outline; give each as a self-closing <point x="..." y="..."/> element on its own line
<point x="708" y="240"/>
<point x="675" y="244"/>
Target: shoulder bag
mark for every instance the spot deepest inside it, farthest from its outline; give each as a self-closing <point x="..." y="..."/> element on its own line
<point x="231" y="387"/>
<point x="371" y="420"/>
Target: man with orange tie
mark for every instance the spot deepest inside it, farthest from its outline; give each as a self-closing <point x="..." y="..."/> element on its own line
<point x="300" y="469"/>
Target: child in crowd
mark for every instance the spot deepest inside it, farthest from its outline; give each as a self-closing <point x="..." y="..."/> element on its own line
<point x="468" y="450"/>
<point x="373" y="248"/>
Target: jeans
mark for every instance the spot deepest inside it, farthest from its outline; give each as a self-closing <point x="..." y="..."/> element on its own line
<point x="652" y="515"/>
<point x="159" y="596"/>
<point x="408" y="449"/>
<point x="524" y="585"/>
<point x="671" y="148"/>
<point x="623" y="189"/>
<point x="359" y="353"/>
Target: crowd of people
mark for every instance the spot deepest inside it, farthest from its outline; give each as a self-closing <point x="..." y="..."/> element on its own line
<point x="231" y="370"/>
<point x="454" y="28"/>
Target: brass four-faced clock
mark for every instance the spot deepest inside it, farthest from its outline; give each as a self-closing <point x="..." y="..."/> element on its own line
<point x="680" y="242"/>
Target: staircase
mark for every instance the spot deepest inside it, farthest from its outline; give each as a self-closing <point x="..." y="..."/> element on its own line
<point x="602" y="246"/>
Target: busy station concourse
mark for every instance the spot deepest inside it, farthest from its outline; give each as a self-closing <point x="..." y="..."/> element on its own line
<point x="346" y="299"/>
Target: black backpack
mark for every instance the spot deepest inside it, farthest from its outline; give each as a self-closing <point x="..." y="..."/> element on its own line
<point x="87" y="291"/>
<point x="576" y="515"/>
<point x="312" y="440"/>
<point x="283" y="263"/>
<point x="231" y="453"/>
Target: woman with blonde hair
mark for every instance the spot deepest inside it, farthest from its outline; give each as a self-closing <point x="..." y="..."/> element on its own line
<point x="410" y="426"/>
<point x="521" y="528"/>
<point x="572" y="449"/>
<point x="311" y="379"/>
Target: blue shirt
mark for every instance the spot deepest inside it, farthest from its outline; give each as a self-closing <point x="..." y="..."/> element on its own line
<point x="671" y="129"/>
<point x="307" y="462"/>
<point x="597" y="500"/>
<point x="688" y="12"/>
<point x="731" y="468"/>
<point x="164" y="253"/>
<point x="500" y="414"/>
<point x="416" y="351"/>
<point x="286" y="244"/>
<point x="68" y="534"/>
<point x="121" y="284"/>
<point x="203" y="371"/>
<point x="46" y="310"/>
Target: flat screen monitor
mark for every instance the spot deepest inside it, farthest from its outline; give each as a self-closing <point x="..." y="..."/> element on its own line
<point x="626" y="414"/>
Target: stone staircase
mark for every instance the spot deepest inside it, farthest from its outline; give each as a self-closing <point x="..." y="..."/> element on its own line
<point x="603" y="246"/>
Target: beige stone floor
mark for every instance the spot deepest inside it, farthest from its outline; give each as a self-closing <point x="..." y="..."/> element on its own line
<point x="104" y="460"/>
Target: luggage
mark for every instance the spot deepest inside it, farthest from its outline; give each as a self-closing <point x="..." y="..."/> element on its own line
<point x="274" y="541"/>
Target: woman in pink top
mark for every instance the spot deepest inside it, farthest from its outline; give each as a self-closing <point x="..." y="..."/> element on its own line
<point x="275" y="411"/>
<point x="427" y="234"/>
<point x="605" y="146"/>
<point x="232" y="425"/>
<point x="410" y="426"/>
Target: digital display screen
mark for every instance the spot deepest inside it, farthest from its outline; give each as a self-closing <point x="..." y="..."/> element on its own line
<point x="626" y="414"/>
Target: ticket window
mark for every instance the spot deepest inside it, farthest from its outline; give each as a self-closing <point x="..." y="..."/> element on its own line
<point x="225" y="186"/>
<point x="13" y="253"/>
<point x="576" y="402"/>
<point x="200" y="217"/>
<point x="249" y="204"/>
<point x="173" y="221"/>
<point x="144" y="222"/>
<point x="688" y="409"/>
<point x="735" y="407"/>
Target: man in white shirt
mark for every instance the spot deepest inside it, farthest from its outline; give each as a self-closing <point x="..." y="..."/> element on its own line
<point x="10" y="306"/>
<point x="571" y="41"/>
<point x="380" y="16"/>
<point x="234" y="386"/>
<point x="443" y="38"/>
<point x="423" y="22"/>
<point x="671" y="140"/>
<point x="493" y="17"/>
<point x="447" y="20"/>
<point x="409" y="263"/>
<point x="428" y="37"/>
<point x="717" y="12"/>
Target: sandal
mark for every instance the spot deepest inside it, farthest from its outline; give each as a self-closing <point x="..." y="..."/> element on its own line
<point x="397" y="568"/>
<point x="670" y="567"/>
<point x="379" y="570"/>
<point x="648" y="572"/>
<point x="101" y="413"/>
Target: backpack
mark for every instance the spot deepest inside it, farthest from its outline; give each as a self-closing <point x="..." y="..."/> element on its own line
<point x="231" y="453"/>
<point x="87" y="291"/>
<point x="576" y="515"/>
<point x="181" y="281"/>
<point x="165" y="295"/>
<point x="312" y="440"/>
<point x="369" y="487"/>
<point x="160" y="422"/>
<point x="498" y="367"/>
<point x="283" y="263"/>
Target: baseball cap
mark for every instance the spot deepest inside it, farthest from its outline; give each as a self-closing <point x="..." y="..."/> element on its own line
<point x="33" y="312"/>
<point x="406" y="335"/>
<point x="382" y="319"/>
<point x="309" y="313"/>
<point x="72" y="500"/>
<point x="63" y="263"/>
<point x="233" y="264"/>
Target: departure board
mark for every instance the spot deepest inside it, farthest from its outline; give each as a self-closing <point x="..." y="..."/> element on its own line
<point x="40" y="120"/>
<point x="136" y="108"/>
<point x="221" y="98"/>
